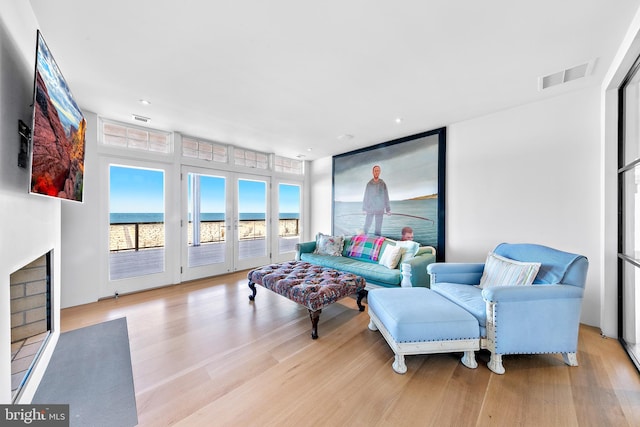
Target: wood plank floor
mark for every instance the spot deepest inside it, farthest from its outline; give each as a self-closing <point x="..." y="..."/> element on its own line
<point x="203" y="355"/>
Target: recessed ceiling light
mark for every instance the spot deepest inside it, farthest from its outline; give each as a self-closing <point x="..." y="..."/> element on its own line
<point x="309" y="149"/>
<point x="345" y="136"/>
<point x="144" y="102"/>
<point x="300" y="156"/>
<point x="398" y="120"/>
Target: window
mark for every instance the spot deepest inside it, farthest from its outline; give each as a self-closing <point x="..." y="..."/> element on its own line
<point x="122" y="136"/>
<point x="136" y="222"/>
<point x="251" y="159"/>
<point x="629" y="220"/>
<point x="196" y="149"/>
<point x="283" y="164"/>
<point x="288" y="217"/>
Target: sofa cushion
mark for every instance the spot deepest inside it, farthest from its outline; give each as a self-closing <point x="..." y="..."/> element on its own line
<point x="371" y="271"/>
<point x="468" y="297"/>
<point x="501" y="271"/>
<point x="329" y="245"/>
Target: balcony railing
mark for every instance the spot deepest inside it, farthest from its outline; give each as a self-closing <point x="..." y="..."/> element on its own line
<point x="147" y="235"/>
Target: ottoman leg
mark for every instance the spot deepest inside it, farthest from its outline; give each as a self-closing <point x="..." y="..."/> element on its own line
<point x="252" y="286"/>
<point x="398" y="364"/>
<point x="469" y="359"/>
<point x="314" y="316"/>
<point x="361" y="294"/>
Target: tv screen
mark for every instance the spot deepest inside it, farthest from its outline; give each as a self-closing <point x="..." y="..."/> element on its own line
<point x="58" y="132"/>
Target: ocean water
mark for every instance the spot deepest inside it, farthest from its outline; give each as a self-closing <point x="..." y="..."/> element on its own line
<point x="421" y="215"/>
<point x="131" y="218"/>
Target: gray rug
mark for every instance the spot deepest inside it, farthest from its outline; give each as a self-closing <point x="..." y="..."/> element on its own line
<point x="90" y="370"/>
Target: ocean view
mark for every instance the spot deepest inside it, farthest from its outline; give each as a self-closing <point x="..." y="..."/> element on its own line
<point x="421" y="215"/>
<point x="132" y="218"/>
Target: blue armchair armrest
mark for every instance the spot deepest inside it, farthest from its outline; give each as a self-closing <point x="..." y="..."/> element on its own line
<point x="452" y="272"/>
<point x="530" y="293"/>
<point x="532" y="319"/>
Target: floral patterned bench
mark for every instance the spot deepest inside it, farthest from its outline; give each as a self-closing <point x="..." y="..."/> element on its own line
<point x="310" y="285"/>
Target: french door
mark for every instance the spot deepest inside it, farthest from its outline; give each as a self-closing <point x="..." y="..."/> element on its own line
<point x="286" y="209"/>
<point x="139" y="241"/>
<point x="225" y="222"/>
<point x="629" y="214"/>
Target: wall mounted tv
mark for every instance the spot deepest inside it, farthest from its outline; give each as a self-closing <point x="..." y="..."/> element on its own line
<point x="57" y="132"/>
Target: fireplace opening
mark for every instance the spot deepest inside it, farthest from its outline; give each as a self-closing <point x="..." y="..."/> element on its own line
<point x="30" y="318"/>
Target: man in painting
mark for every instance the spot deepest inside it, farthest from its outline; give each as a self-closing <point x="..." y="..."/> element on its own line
<point x="376" y="202"/>
<point x="407" y="233"/>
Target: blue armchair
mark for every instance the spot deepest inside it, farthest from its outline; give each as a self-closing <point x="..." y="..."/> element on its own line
<point x="541" y="318"/>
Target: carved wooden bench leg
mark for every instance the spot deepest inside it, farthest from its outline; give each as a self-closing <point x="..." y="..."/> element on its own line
<point x="253" y="290"/>
<point x="314" y="316"/>
<point x="361" y="294"/>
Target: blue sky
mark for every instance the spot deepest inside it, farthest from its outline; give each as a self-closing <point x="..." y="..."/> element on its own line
<point x="69" y="113"/>
<point x="137" y="190"/>
<point x="252" y="196"/>
<point x="289" y="198"/>
<point x="212" y="193"/>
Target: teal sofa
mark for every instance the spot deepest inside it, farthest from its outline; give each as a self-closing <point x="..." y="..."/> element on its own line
<point x="411" y="272"/>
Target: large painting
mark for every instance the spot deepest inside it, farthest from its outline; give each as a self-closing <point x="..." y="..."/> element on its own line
<point x="394" y="189"/>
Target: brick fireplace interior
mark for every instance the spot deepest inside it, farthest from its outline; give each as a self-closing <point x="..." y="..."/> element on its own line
<point x="30" y="318"/>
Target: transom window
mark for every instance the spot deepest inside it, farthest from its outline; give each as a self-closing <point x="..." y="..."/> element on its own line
<point x="284" y="164"/>
<point x="122" y="136"/>
<point x="204" y="150"/>
<point x="252" y="159"/>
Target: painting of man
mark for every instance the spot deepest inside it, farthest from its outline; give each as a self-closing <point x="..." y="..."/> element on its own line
<point x="376" y="202"/>
<point x="411" y="195"/>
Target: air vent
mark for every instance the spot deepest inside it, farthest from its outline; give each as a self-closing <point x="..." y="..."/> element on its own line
<point x="565" y="76"/>
<point x="141" y="118"/>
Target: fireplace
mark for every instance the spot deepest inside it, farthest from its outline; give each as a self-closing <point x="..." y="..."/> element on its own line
<point x="30" y="303"/>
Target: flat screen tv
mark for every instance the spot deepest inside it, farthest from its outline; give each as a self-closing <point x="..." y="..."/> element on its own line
<point x="57" y="132"/>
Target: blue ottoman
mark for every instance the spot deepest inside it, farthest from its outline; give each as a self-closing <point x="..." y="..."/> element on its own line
<point x="419" y="321"/>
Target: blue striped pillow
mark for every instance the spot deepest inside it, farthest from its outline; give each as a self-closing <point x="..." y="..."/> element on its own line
<point x="501" y="271"/>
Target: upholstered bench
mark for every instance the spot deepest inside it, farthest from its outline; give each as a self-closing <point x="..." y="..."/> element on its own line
<point x="310" y="285"/>
<point x="419" y="321"/>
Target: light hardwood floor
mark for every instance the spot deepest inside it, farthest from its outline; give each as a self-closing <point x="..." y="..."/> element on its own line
<point x="204" y="355"/>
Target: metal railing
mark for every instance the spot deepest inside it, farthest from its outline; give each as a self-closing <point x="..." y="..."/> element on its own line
<point x="148" y="235"/>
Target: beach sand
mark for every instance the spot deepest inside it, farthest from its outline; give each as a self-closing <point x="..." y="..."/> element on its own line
<point x="123" y="236"/>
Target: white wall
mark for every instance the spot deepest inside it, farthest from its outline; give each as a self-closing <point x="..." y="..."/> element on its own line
<point x="30" y="224"/>
<point x="529" y="174"/>
<point x="81" y="268"/>
<point x="321" y="194"/>
<point x="526" y="174"/>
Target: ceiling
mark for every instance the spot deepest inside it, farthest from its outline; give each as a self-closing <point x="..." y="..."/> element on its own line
<point x="314" y="79"/>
